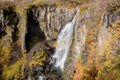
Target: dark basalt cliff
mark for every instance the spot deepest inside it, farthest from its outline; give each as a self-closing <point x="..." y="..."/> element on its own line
<point x="27" y="42"/>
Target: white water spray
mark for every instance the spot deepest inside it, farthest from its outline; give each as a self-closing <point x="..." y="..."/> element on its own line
<point x="40" y="78"/>
<point x="63" y="44"/>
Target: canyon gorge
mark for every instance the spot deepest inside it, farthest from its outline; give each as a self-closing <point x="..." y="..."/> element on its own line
<point x="60" y="40"/>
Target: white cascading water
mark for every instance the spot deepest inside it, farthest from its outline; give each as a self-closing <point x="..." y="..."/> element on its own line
<point x="63" y="44"/>
<point x="40" y="78"/>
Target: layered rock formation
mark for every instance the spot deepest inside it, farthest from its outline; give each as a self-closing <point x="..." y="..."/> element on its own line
<point x="36" y="33"/>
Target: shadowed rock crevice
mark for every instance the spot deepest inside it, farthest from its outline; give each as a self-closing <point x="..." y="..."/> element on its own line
<point x="34" y="32"/>
<point x="10" y="28"/>
<point x="9" y="19"/>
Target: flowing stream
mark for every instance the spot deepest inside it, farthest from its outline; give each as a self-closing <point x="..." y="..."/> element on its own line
<point x="63" y="44"/>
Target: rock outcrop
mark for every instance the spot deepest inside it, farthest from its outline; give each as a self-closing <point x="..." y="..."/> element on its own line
<point x="38" y="32"/>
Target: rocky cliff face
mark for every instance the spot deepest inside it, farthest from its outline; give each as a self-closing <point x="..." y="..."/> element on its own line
<point x="45" y="22"/>
<point x="37" y="32"/>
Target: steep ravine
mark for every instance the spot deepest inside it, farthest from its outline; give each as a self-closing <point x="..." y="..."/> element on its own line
<point x="31" y="39"/>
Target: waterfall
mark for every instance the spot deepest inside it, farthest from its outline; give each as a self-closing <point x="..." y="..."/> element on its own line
<point x="63" y="44"/>
<point x="40" y="78"/>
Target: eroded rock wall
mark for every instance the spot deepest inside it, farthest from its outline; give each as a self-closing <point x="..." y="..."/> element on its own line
<point x="38" y="32"/>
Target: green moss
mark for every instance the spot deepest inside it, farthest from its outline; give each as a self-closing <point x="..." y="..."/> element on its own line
<point x="10" y="72"/>
<point x="15" y="71"/>
<point x="109" y="73"/>
<point x="39" y="59"/>
<point x="5" y="55"/>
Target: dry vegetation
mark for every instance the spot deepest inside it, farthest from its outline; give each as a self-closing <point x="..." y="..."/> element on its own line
<point x="104" y="67"/>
